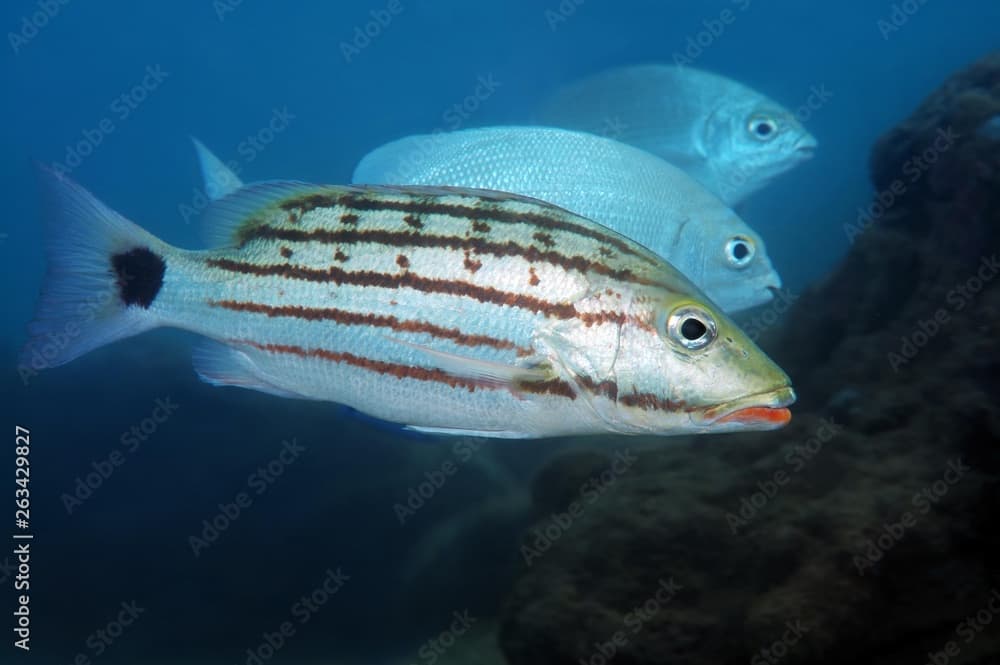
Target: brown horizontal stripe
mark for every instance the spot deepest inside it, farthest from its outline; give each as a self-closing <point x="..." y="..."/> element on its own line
<point x="551" y="386"/>
<point x="423" y="205"/>
<point x="474" y="244"/>
<point x="377" y="366"/>
<point x="651" y="402"/>
<point x="339" y="276"/>
<point x="606" y="388"/>
<point x="596" y="318"/>
<point x="347" y="318"/>
<point x="644" y="401"/>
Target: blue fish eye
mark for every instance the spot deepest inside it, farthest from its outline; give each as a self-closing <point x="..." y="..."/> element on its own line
<point x="762" y="127"/>
<point x="740" y="251"/>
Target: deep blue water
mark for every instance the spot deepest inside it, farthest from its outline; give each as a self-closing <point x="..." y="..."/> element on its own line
<point x="222" y="73"/>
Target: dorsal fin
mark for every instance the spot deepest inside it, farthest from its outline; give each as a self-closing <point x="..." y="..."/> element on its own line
<point x="224" y="218"/>
<point x="218" y="178"/>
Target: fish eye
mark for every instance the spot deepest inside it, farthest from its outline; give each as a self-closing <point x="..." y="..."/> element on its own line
<point x="762" y="127"/>
<point x="740" y="251"/>
<point x="691" y="327"/>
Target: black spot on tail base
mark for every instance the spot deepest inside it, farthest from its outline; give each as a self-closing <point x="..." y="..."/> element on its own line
<point x="139" y="274"/>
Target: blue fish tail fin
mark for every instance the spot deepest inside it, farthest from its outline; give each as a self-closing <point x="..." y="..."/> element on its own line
<point x="102" y="277"/>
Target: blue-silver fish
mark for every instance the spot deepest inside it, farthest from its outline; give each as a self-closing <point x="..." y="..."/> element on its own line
<point x="631" y="191"/>
<point x="452" y="311"/>
<point x="729" y="137"/>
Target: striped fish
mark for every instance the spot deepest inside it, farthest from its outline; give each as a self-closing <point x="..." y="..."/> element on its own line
<point x="447" y="310"/>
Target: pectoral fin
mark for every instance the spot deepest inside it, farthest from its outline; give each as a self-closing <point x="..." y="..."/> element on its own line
<point x="482" y="371"/>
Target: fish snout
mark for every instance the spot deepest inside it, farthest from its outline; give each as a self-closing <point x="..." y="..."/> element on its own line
<point x="761" y="411"/>
<point x="806" y="146"/>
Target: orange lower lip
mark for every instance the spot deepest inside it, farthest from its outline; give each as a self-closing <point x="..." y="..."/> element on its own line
<point x="756" y="415"/>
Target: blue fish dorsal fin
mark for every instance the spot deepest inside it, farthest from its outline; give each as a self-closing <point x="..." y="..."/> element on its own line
<point x="219" y="179"/>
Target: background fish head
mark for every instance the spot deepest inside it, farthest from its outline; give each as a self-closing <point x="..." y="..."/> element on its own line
<point x="752" y="141"/>
<point x="729" y="260"/>
<point x="676" y="364"/>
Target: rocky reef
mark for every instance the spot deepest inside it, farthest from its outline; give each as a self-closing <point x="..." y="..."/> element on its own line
<point x="865" y="531"/>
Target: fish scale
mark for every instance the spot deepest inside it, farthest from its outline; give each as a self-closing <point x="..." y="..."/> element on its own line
<point x="447" y="310"/>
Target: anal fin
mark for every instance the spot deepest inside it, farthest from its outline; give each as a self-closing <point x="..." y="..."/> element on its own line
<point x="455" y="431"/>
<point x="221" y="365"/>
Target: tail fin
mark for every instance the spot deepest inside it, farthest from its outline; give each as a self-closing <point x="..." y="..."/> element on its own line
<point x="219" y="179"/>
<point x="103" y="274"/>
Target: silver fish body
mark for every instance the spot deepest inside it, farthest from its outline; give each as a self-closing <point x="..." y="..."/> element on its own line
<point x="450" y="311"/>
<point x="633" y="192"/>
<point x="729" y="137"/>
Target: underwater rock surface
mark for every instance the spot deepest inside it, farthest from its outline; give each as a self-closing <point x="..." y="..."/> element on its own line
<point x="865" y="531"/>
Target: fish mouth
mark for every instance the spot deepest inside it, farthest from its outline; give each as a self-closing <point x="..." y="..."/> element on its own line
<point x="806" y="147"/>
<point x="766" y="410"/>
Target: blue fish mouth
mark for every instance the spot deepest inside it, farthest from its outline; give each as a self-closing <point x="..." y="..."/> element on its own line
<point x="806" y="147"/>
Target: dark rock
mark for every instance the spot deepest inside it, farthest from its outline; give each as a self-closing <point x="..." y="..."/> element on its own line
<point x="865" y="531"/>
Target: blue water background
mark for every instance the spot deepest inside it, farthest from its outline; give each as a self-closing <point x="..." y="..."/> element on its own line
<point x="227" y="74"/>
